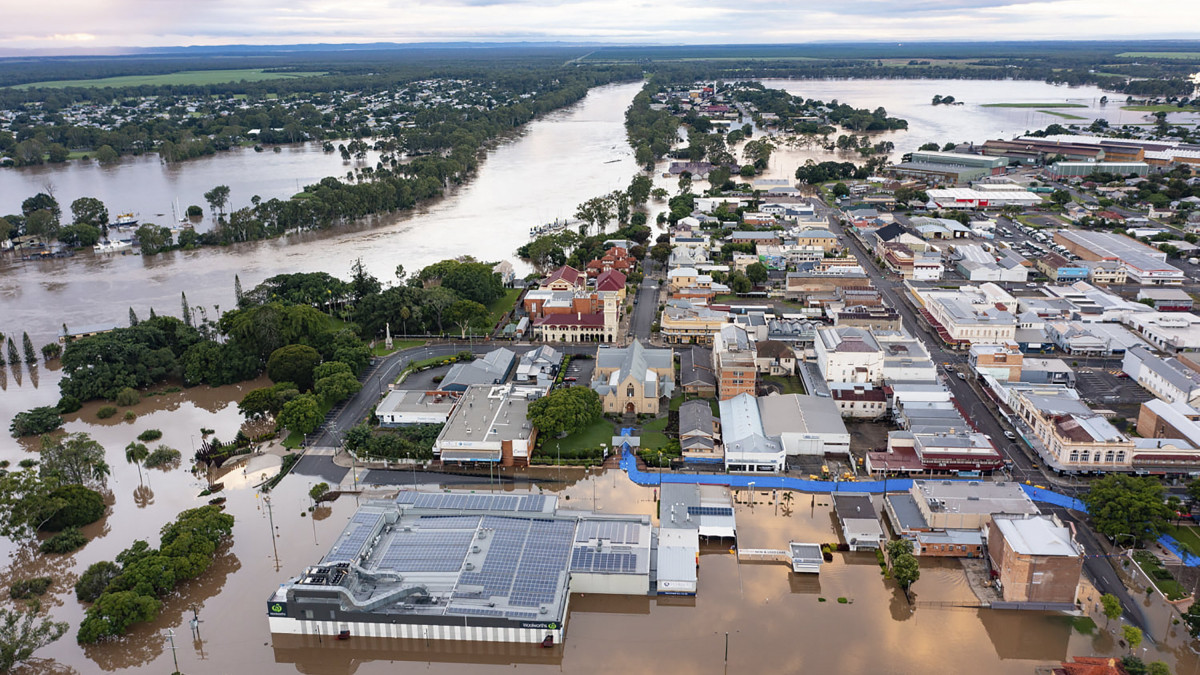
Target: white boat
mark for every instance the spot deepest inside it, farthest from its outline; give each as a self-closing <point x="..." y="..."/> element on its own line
<point x="112" y="246"/>
<point x="124" y="220"/>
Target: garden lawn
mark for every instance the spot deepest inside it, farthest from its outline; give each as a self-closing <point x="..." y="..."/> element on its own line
<point x="1153" y="569"/>
<point x="1187" y="535"/>
<point x="790" y="385"/>
<point x="501" y="306"/>
<point x="652" y="434"/>
<point x="593" y="436"/>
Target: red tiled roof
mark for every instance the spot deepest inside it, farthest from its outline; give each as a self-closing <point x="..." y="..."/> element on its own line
<point x="566" y="273"/>
<point x="610" y="280"/>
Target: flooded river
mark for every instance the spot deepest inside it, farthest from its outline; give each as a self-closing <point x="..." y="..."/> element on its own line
<point x="556" y="163"/>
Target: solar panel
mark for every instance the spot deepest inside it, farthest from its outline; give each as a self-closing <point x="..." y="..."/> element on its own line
<point x="590" y="560"/>
<point x="710" y="511"/>
<point x="475" y="611"/>
<point x="615" y="531"/>
<point x="436" y="551"/>
<point x="466" y="502"/>
<point x="448" y="522"/>
<point x="354" y="538"/>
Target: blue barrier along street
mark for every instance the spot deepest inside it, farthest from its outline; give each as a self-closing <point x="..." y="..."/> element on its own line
<point x="765" y="482"/>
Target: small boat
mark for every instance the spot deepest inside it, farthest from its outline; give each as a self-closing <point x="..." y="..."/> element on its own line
<point x="125" y="220"/>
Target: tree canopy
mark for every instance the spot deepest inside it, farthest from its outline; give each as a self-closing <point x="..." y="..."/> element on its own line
<point x="1129" y="508"/>
<point x="566" y="410"/>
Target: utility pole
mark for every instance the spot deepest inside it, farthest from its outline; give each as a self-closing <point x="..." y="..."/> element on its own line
<point x="271" y="519"/>
<point x="171" y="639"/>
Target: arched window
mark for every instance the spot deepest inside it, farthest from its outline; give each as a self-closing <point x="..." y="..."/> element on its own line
<point x="629" y="391"/>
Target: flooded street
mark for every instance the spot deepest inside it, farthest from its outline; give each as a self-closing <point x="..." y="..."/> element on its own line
<point x="777" y="621"/>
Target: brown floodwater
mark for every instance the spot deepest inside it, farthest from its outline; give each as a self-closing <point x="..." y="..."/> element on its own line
<point x="776" y="620"/>
<point x="554" y="164"/>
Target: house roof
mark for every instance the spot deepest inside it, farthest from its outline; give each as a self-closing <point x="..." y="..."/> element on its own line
<point x="610" y="280"/>
<point x="695" y="368"/>
<point x="695" y="417"/>
<point x="1036" y="535"/>
<point x="566" y="273"/>
<point x="774" y="349"/>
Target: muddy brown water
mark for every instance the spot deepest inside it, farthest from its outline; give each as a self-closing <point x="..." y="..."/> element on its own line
<point x="776" y="620"/>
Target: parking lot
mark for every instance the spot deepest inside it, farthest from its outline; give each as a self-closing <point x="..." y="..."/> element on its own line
<point x="581" y="370"/>
<point x="1104" y="387"/>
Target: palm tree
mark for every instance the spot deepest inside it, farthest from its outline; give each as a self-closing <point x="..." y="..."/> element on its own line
<point x="136" y="453"/>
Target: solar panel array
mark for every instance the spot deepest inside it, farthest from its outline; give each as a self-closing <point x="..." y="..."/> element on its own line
<point x="448" y="522"/>
<point x="504" y="552"/>
<point x="426" y="551"/>
<point x="475" y="611"/>
<point x="468" y="502"/>
<point x="590" y="560"/>
<point x="614" y="531"/>
<point x="354" y="537"/>
<point x="710" y="511"/>
<point x="542" y="564"/>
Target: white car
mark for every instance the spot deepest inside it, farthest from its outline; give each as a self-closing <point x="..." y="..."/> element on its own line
<point x="1010" y="435"/>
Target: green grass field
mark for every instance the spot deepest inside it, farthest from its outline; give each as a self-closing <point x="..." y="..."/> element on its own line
<point x="1065" y="116"/>
<point x="501" y="306"/>
<point x="1159" y="108"/>
<point x="1183" y="56"/>
<point x="1033" y="105"/>
<point x="596" y="434"/>
<point x="789" y="385"/>
<point x="1187" y="535"/>
<point x="652" y="434"/>
<point x="184" y="77"/>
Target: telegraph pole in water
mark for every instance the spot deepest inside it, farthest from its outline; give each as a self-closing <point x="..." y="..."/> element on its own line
<point x="271" y="519"/>
<point x="171" y="639"/>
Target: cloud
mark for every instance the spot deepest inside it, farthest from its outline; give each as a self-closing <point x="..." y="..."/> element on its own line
<point x="163" y="23"/>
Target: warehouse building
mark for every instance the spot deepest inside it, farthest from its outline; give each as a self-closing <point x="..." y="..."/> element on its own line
<point x="463" y="566"/>
<point x="1060" y="170"/>
<point x="1143" y="265"/>
<point x="969" y="198"/>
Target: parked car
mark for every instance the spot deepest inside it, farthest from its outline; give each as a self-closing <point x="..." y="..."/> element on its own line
<point x="1010" y="435"/>
<point x="961" y="376"/>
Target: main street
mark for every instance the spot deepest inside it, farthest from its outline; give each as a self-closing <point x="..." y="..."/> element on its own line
<point x="950" y="362"/>
<point x="982" y="414"/>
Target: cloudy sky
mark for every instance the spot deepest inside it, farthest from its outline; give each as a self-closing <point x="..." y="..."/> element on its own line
<point x="75" y="24"/>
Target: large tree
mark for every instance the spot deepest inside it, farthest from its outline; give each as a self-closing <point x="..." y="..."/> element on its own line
<point x="301" y="414"/>
<point x="293" y="363"/>
<point x="218" y="198"/>
<point x="89" y="211"/>
<point x="75" y="459"/>
<point x="464" y="313"/>
<point x="1128" y="508"/>
<point x="565" y="411"/>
